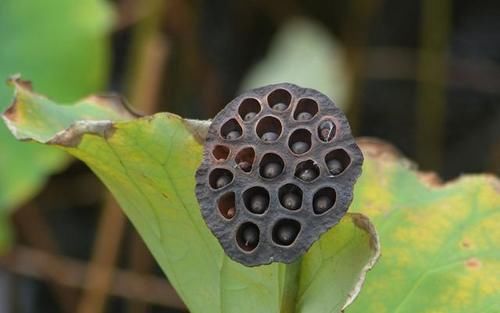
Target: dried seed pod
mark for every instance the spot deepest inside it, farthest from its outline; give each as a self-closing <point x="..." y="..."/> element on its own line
<point x="326" y="130"/>
<point x="290" y="197"/>
<point x="245" y="166"/>
<point x="249" y="116"/>
<point x="304" y="116"/>
<point x="234" y="134"/>
<point x="272" y="170"/>
<point x="307" y="174"/>
<point x="230" y="212"/>
<point x="271" y="165"/>
<point x="256" y="199"/>
<point x="324" y="199"/>
<point x="222" y="181"/>
<point x="291" y="201"/>
<point x="280" y="106"/>
<point x="269" y="136"/>
<point x="307" y="170"/>
<point x="300" y="147"/>
<point x="245" y="158"/>
<point x="258" y="204"/>
<point x="334" y="166"/>
<point x="285" y="232"/>
<point x="250" y="237"/>
<point x="321" y="204"/>
<point x="247" y="237"/>
<point x="289" y="177"/>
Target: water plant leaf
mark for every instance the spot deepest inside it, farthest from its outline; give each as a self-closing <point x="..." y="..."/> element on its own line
<point x="63" y="45"/>
<point x="441" y="242"/>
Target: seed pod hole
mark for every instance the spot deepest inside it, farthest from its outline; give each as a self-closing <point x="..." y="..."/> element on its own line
<point x="286" y="231"/>
<point x="269" y="129"/>
<point x="306" y="110"/>
<point x="256" y="199"/>
<point x="337" y="161"/>
<point x="326" y="130"/>
<point x="249" y="108"/>
<point x="307" y="171"/>
<point x="226" y="205"/>
<point x="300" y="141"/>
<point x="279" y="100"/>
<point x="220" y="152"/>
<point x="244" y="159"/>
<point x="290" y="197"/>
<point x="219" y="178"/>
<point x="231" y="130"/>
<point x="323" y="200"/>
<point x="247" y="236"/>
<point x="271" y="165"/>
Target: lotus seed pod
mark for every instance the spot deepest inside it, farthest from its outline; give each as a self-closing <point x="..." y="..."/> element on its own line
<point x="307" y="174"/>
<point x="286" y="233"/>
<point x="222" y="181"/>
<point x="269" y="136"/>
<point x="250" y="237"/>
<point x="280" y="106"/>
<point x="249" y="116"/>
<point x="326" y="130"/>
<point x="291" y="201"/>
<point x="334" y="166"/>
<point x="234" y="134"/>
<point x="272" y="170"/>
<point x="278" y="189"/>
<point x="258" y="204"/>
<point x="230" y="212"/>
<point x="304" y="116"/>
<point x="245" y="166"/>
<point x="300" y="147"/>
<point x="322" y="204"/>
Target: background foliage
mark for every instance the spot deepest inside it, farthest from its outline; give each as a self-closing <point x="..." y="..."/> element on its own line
<point x="68" y="61"/>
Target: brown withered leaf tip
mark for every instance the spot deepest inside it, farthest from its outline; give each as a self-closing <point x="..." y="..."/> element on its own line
<point x="278" y="170"/>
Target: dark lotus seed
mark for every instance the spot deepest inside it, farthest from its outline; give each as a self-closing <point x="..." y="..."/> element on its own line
<point x="280" y="106"/>
<point x="249" y="116"/>
<point x="245" y="166"/>
<point x="291" y="201"/>
<point x="233" y="135"/>
<point x="250" y="237"/>
<point x="230" y="212"/>
<point x="222" y="181"/>
<point x="307" y="174"/>
<point x="269" y="136"/>
<point x="322" y="204"/>
<point x="300" y="147"/>
<point x="272" y="170"/>
<point x="258" y="204"/>
<point x="286" y="234"/>
<point x="326" y="130"/>
<point x="334" y="166"/>
<point x="304" y="116"/>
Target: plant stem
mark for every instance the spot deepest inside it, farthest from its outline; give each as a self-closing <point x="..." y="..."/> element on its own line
<point x="290" y="286"/>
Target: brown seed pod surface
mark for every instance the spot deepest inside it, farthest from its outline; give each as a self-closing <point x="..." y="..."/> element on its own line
<point x="278" y="170"/>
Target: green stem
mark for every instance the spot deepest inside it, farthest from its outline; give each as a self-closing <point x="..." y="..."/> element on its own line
<point x="291" y="273"/>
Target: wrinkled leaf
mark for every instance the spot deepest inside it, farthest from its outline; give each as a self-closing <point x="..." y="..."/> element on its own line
<point x="441" y="243"/>
<point x="304" y="53"/>
<point x="149" y="165"/>
<point x="63" y="45"/>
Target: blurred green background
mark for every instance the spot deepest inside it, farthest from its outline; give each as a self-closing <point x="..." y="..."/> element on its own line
<point x="424" y="75"/>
